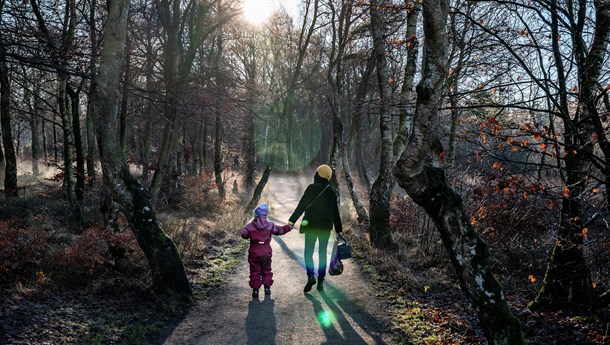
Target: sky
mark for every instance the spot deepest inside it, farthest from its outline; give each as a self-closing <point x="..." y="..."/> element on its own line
<point x="257" y="11"/>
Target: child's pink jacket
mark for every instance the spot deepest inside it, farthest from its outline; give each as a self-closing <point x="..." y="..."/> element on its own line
<point x="259" y="232"/>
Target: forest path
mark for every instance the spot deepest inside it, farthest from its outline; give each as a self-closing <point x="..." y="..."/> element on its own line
<point x="347" y="312"/>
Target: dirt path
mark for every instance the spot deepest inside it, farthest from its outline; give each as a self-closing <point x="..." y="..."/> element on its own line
<point x="345" y="313"/>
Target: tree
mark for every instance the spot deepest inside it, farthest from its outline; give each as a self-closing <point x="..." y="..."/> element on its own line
<point x="60" y="58"/>
<point x="427" y="186"/>
<point x="562" y="53"/>
<point x="341" y="20"/>
<point x="218" y="160"/>
<point x="379" y="228"/>
<point x="167" y="269"/>
<point x="9" y="157"/>
<point x="185" y="30"/>
<point x="567" y="282"/>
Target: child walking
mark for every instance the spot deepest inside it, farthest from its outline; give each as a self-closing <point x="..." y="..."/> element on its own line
<point x="259" y="232"/>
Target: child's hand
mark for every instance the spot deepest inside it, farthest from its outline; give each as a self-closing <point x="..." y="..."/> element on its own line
<point x="286" y="228"/>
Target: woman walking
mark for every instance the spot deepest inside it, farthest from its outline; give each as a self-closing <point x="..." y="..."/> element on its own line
<point x="319" y="203"/>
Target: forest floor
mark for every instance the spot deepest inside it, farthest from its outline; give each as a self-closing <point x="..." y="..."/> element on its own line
<point x="364" y="305"/>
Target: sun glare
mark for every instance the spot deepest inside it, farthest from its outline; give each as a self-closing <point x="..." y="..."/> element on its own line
<point x="257" y="11"/>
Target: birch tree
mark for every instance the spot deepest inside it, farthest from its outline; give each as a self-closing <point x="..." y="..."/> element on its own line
<point x="167" y="269"/>
<point x="428" y="187"/>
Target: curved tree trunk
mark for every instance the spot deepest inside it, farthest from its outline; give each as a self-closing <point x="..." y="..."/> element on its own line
<point x="429" y="189"/>
<point x="256" y="196"/>
<point x="363" y="217"/>
<point x="166" y="266"/>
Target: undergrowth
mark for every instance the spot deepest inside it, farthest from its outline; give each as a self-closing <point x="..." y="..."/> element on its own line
<point x="418" y="282"/>
<point x="94" y="287"/>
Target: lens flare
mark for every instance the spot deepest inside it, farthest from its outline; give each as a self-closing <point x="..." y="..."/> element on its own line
<point x="326" y="318"/>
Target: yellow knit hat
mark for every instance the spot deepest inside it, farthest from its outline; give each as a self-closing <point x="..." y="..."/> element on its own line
<point x="325" y="171"/>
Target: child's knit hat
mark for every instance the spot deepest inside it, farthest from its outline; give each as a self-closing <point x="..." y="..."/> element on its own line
<point x="261" y="210"/>
<point x="325" y="171"/>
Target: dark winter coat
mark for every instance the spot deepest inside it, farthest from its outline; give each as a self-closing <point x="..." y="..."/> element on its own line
<point x="323" y="212"/>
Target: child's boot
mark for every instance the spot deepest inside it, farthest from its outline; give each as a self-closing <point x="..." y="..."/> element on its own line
<point x="267" y="290"/>
<point x="254" y="293"/>
<point x="320" y="284"/>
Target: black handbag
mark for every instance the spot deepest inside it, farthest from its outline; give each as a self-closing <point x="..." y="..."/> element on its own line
<point x="343" y="248"/>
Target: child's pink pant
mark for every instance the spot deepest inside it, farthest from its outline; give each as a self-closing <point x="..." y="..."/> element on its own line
<point x="260" y="270"/>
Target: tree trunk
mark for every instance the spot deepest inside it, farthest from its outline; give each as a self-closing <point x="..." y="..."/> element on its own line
<point x="124" y="103"/>
<point x="170" y="21"/>
<point x="34" y="122"/>
<point x="567" y="281"/>
<point x="66" y="126"/>
<point x="218" y="156"/>
<point x="250" y="152"/>
<point x="379" y="229"/>
<point x="363" y="217"/>
<point x="166" y="266"/>
<point x="406" y="91"/>
<point x="10" y="158"/>
<point x="35" y="145"/>
<point x="218" y="168"/>
<point x="165" y="150"/>
<point x="429" y="189"/>
<point x="455" y="118"/>
<point x="45" y="152"/>
<point x="90" y="148"/>
<point x="204" y="147"/>
<point x="55" y="140"/>
<point x="147" y="145"/>
<point x="258" y="190"/>
<point x="89" y="121"/>
<point x="361" y="132"/>
<point x="78" y="144"/>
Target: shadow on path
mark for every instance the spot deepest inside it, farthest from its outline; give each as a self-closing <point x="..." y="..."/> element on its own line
<point x="336" y="317"/>
<point x="291" y="253"/>
<point x="345" y="310"/>
<point x="261" y="327"/>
